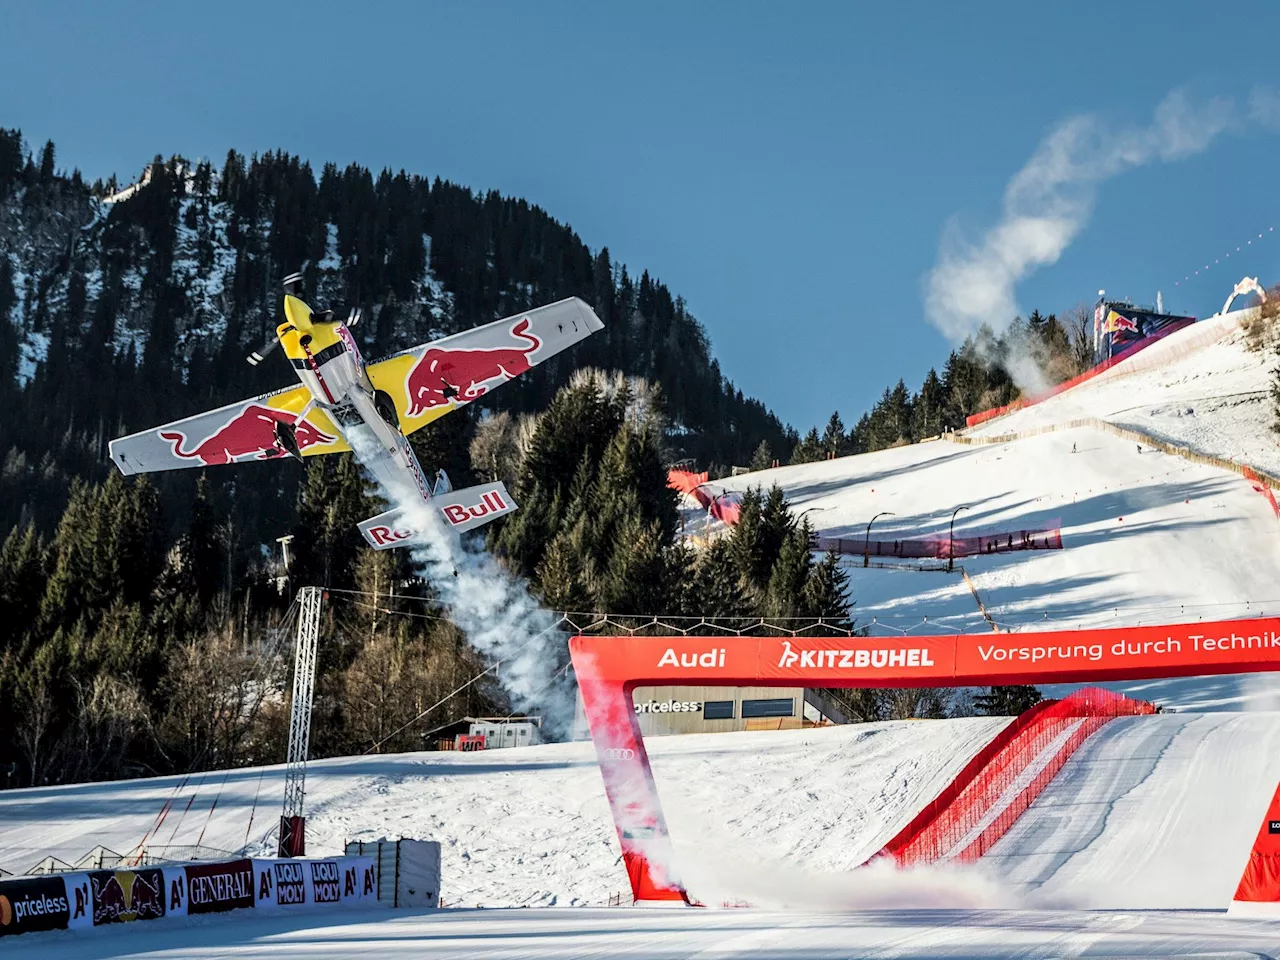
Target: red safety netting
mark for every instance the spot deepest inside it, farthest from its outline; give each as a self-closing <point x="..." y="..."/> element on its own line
<point x="997" y="786"/>
<point x="1261" y="487"/>
<point x="686" y="481"/>
<point x="942" y="547"/>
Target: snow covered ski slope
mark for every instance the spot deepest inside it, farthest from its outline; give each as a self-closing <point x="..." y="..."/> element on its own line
<point x="1157" y="811"/>
<point x="1200" y="387"/>
<point x="1147" y="537"/>
<point x="531" y="826"/>
<point x="639" y="934"/>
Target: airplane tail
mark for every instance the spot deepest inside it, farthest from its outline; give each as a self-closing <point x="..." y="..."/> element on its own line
<point x="463" y="510"/>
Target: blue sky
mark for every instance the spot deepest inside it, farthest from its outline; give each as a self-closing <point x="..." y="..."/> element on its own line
<point x="788" y="168"/>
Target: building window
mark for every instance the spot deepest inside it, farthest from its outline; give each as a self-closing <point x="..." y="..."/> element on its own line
<point x="768" y="708"/>
<point x="718" y="710"/>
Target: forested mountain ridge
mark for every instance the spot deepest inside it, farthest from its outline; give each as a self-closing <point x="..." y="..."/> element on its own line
<point x="124" y="314"/>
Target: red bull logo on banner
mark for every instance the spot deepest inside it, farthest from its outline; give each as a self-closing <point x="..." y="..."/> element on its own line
<point x="464" y="375"/>
<point x="249" y="435"/>
<point x="122" y="896"/>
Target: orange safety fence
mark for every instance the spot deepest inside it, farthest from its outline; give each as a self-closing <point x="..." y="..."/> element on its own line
<point x="998" y="785"/>
<point x="1261" y="486"/>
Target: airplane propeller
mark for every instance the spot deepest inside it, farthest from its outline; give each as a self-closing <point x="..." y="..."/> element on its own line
<point x="264" y="351"/>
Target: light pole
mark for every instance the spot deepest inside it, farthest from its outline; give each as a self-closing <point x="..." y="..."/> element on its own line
<point x="866" y="544"/>
<point x="951" y="538"/>
<point x="807" y="510"/>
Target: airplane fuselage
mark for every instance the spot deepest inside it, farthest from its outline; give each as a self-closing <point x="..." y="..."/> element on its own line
<point x="325" y="357"/>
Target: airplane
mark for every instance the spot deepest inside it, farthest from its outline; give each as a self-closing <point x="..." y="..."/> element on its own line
<point x="343" y="404"/>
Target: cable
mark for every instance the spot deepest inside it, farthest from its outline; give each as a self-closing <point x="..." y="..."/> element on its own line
<point x="254" y="809"/>
<point x="285" y="626"/>
<point x="212" y="807"/>
<point x="492" y="667"/>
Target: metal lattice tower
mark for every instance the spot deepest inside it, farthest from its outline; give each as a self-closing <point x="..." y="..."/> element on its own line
<point x="304" y="682"/>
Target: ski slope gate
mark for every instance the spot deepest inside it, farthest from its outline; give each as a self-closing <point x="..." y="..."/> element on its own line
<point x="608" y="668"/>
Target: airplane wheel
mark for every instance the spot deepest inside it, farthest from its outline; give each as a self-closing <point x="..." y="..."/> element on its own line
<point x="386" y="408"/>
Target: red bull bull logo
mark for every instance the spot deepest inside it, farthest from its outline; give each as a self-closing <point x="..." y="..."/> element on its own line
<point x="464" y="375"/>
<point x="1117" y="323"/>
<point x="249" y="435"/>
<point x="126" y="895"/>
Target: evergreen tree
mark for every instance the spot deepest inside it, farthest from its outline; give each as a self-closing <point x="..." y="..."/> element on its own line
<point x="1007" y="701"/>
<point x="762" y="459"/>
<point x="46" y="164"/>
<point x="790" y="575"/>
<point x="22" y="582"/>
<point x="826" y="593"/>
<point x="809" y="449"/>
<point x="833" y="438"/>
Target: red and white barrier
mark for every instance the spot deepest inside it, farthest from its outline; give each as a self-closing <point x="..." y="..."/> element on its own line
<point x="1005" y="777"/>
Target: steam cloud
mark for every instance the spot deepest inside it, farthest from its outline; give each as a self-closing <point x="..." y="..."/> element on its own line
<point x="1049" y="201"/>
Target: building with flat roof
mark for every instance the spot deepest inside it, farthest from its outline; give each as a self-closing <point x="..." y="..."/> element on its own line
<point x="686" y="709"/>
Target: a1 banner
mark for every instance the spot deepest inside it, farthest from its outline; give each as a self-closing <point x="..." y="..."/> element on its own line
<point x="35" y="904"/>
<point x="122" y="896"/>
<point x="79" y="900"/>
<point x="175" y="886"/>
<point x="215" y="887"/>
<point x="359" y="879"/>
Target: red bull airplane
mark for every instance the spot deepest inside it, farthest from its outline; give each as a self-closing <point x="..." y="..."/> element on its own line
<point x="342" y="404"/>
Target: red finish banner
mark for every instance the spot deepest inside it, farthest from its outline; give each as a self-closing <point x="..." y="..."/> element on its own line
<point x="1062" y="656"/>
<point x="609" y="667"/>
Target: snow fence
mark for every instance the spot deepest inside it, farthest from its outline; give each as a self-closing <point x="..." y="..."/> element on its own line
<point x="97" y="898"/>
<point x="998" y="785"/>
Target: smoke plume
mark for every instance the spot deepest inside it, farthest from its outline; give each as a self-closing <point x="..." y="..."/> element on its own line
<point x="1050" y="200"/>
<point x="493" y="609"/>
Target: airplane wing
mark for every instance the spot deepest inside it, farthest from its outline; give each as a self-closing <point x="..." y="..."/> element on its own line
<point x="235" y="433"/>
<point x="430" y="380"/>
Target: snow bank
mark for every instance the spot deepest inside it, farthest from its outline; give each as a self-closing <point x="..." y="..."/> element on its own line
<point x="531" y="826"/>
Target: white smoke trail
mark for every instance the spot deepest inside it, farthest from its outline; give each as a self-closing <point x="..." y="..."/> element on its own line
<point x="881" y="885"/>
<point x="493" y="609"/>
<point x="1050" y="200"/>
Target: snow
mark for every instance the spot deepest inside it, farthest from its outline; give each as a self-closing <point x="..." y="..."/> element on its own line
<point x="1156" y="811"/>
<point x="1214" y="398"/>
<point x="33" y="351"/>
<point x="1153" y="814"/>
<point x="330" y="261"/>
<point x="208" y="290"/>
<point x="1147" y="537"/>
<point x="530" y="826"/>
<point x="676" y="934"/>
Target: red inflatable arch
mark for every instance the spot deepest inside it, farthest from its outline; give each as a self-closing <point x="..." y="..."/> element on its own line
<point x="610" y="667"/>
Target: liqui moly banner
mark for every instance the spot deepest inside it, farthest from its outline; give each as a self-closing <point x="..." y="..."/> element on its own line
<point x="288" y="884"/>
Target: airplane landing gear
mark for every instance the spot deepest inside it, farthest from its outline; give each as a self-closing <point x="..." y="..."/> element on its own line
<point x="287" y="439"/>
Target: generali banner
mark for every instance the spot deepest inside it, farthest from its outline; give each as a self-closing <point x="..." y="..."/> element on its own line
<point x="1233" y="646"/>
<point x="214" y="887"/>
